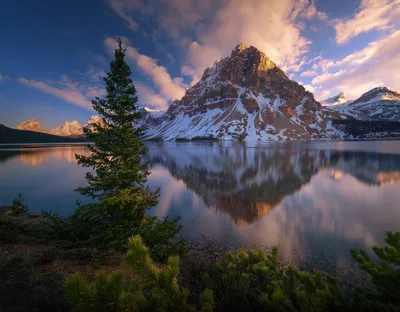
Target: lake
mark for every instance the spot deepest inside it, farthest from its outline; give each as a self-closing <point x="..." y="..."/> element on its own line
<point x="314" y="200"/>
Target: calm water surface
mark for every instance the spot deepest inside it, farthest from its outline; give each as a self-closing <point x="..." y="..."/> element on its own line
<point x="314" y="200"/>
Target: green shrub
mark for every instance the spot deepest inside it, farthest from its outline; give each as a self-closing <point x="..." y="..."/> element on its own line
<point x="152" y="288"/>
<point x="252" y="281"/>
<point x="385" y="275"/>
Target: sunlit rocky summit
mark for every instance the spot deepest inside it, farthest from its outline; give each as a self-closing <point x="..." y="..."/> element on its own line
<point x="335" y="100"/>
<point x="32" y="125"/>
<point x="246" y="96"/>
<point x="69" y="129"/>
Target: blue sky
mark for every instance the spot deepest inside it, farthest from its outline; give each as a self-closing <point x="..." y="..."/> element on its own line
<point x="53" y="53"/>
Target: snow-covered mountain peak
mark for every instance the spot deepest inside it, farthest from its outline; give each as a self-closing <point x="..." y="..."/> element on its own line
<point x="378" y="94"/>
<point x="335" y="100"/>
<point x="32" y="125"/>
<point x="245" y="96"/>
<point x="380" y="103"/>
<point x="69" y="128"/>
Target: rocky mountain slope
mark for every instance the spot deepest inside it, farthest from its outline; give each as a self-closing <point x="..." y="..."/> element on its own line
<point x="73" y="128"/>
<point x="380" y="103"/>
<point x="148" y="121"/>
<point x="245" y="96"/>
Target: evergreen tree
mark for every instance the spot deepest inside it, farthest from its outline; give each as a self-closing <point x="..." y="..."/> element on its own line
<point x="116" y="156"/>
<point x="117" y="182"/>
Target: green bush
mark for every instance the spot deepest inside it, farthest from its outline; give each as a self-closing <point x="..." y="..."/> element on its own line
<point x="252" y="281"/>
<point x="246" y="281"/>
<point x="152" y="288"/>
<point x="385" y="275"/>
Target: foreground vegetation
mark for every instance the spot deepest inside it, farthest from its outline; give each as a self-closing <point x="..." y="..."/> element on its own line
<point x="59" y="276"/>
<point x="57" y="264"/>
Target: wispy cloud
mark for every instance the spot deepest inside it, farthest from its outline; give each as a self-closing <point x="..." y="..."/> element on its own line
<point x="95" y="74"/>
<point x="363" y="69"/>
<point x="169" y="88"/>
<point x="1" y="77"/>
<point x="148" y="97"/>
<point x="120" y="7"/>
<point x="309" y="73"/>
<point x="67" y="90"/>
<point x="373" y="14"/>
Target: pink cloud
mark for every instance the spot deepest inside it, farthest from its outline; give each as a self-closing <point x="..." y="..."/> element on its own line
<point x="170" y="88"/>
<point x="120" y="7"/>
<point x="69" y="95"/>
<point x="308" y="73"/>
<point x="373" y="14"/>
<point x="149" y="97"/>
<point x="364" y="69"/>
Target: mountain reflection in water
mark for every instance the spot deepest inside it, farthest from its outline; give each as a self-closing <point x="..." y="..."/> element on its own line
<point x="312" y="200"/>
<point x="247" y="183"/>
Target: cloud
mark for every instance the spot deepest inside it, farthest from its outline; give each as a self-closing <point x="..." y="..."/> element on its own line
<point x="208" y="30"/>
<point x="308" y="73"/>
<point x="308" y="87"/>
<point x="1" y="77"/>
<point x="95" y="74"/>
<point x="251" y="22"/>
<point x="148" y="97"/>
<point x="173" y="16"/>
<point x="169" y="88"/>
<point x="67" y="90"/>
<point x="120" y="7"/>
<point x="373" y="14"/>
<point x="364" y="69"/>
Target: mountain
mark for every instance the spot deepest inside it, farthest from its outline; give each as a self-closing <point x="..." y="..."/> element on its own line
<point x="147" y="120"/>
<point x="380" y="103"/>
<point x="95" y="119"/>
<point x="336" y="100"/>
<point x="32" y="125"/>
<point x="12" y="136"/>
<point x="246" y="96"/>
<point x="73" y="128"/>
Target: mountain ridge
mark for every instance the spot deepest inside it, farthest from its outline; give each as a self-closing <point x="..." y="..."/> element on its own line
<point x="246" y="96"/>
<point x="379" y="104"/>
<point x="68" y="129"/>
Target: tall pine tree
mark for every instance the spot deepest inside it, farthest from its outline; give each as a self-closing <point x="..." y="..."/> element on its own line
<point x="117" y="182"/>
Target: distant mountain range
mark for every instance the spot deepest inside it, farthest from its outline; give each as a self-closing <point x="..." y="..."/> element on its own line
<point x="12" y="136"/>
<point x="68" y="129"/>
<point x="245" y="96"/>
<point x="380" y="103"/>
<point x="336" y="100"/>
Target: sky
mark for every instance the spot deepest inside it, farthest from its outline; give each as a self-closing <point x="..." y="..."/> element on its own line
<point x="53" y="54"/>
